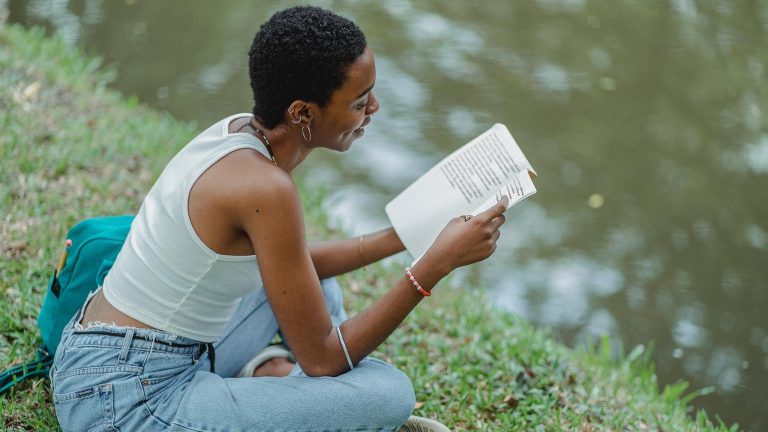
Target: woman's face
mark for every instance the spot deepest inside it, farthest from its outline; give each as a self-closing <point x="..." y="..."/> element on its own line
<point x="343" y="120"/>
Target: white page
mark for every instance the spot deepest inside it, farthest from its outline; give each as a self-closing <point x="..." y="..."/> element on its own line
<point x="517" y="190"/>
<point x="460" y="184"/>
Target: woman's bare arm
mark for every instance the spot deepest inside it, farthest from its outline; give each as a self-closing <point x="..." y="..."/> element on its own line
<point x="265" y="205"/>
<point x="335" y="257"/>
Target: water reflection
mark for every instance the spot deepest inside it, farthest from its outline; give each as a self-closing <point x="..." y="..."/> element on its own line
<point x="646" y="120"/>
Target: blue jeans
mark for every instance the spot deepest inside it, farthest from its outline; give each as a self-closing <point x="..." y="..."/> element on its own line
<point x="110" y="378"/>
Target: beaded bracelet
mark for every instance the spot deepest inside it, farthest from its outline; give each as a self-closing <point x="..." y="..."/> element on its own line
<point x="423" y="292"/>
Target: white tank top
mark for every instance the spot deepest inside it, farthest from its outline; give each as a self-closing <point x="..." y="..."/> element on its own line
<point x="164" y="275"/>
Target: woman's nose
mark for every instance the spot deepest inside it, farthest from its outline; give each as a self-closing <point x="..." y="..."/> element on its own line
<point x="373" y="104"/>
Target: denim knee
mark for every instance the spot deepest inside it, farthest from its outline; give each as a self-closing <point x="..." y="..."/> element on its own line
<point x="334" y="300"/>
<point x="391" y="394"/>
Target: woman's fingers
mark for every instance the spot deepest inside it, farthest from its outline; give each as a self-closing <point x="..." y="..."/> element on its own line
<point x="466" y="239"/>
<point x="496" y="210"/>
<point x="492" y="242"/>
<point x="498" y="221"/>
<point x="493" y="225"/>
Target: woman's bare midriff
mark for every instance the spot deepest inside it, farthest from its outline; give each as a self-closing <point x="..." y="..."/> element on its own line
<point x="99" y="310"/>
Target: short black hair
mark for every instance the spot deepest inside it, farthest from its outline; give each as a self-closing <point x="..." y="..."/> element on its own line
<point x="300" y="53"/>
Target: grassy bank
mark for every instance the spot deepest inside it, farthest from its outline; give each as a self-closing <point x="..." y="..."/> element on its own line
<point x="71" y="148"/>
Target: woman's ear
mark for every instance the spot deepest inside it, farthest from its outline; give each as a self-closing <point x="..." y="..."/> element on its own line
<point x="300" y="111"/>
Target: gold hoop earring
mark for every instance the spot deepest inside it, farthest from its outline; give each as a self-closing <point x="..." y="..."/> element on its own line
<point x="297" y="121"/>
<point x="305" y="130"/>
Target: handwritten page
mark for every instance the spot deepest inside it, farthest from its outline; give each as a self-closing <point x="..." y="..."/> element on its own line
<point x="468" y="181"/>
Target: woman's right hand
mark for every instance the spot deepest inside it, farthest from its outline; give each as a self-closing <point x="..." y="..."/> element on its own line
<point x="465" y="242"/>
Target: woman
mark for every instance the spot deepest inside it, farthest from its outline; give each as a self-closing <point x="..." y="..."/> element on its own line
<point x="216" y="264"/>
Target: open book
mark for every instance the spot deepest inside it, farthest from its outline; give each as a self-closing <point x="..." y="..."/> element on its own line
<point x="467" y="182"/>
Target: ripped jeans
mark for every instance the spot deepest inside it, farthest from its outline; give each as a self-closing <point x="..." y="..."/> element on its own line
<point x="110" y="378"/>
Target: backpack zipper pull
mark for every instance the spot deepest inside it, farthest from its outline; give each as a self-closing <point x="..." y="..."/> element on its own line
<point x="63" y="259"/>
<point x="55" y="286"/>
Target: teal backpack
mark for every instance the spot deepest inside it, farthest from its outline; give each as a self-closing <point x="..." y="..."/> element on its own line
<point x="91" y="248"/>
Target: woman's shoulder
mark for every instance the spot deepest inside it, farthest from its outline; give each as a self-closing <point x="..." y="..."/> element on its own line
<point x="245" y="175"/>
<point x="239" y="189"/>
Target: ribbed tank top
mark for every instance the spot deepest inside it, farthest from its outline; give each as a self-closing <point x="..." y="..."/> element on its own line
<point x="164" y="275"/>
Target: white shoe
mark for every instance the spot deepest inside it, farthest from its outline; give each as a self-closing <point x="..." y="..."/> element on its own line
<point x="421" y="424"/>
<point x="268" y="353"/>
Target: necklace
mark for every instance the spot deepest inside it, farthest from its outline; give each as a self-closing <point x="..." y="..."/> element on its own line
<point x="263" y="138"/>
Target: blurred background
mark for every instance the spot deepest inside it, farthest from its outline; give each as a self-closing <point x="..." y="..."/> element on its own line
<point x="647" y="122"/>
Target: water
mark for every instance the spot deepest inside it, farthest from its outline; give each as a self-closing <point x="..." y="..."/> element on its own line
<point x="646" y="121"/>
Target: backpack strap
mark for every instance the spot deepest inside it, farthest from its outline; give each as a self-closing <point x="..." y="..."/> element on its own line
<point x="40" y="366"/>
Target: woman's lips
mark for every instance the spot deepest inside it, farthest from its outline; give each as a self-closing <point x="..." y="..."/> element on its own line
<point x="361" y="130"/>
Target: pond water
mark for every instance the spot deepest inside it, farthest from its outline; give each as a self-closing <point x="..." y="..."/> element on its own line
<point x="646" y="121"/>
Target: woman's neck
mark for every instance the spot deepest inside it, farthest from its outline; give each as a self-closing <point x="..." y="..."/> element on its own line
<point x="287" y="146"/>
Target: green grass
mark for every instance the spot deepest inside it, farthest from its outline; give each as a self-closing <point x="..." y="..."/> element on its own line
<point x="71" y="148"/>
